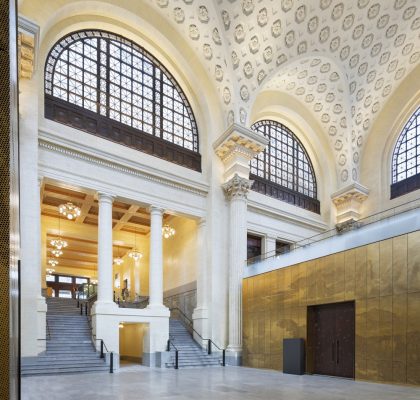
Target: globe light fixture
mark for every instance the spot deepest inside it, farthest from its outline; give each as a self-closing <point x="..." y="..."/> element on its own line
<point x="168" y="231"/>
<point x="69" y="210"/>
<point x="53" y="263"/>
<point x="58" y="243"/>
<point x="57" y="252"/>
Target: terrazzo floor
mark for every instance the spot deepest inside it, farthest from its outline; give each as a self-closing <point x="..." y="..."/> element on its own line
<point x="218" y="383"/>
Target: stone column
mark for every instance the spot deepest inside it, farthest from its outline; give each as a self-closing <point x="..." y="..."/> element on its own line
<point x="236" y="148"/>
<point x="236" y="190"/>
<point x="105" y="272"/>
<point x="270" y="246"/>
<point x="156" y="259"/>
<point x="201" y="314"/>
<point x="33" y="304"/>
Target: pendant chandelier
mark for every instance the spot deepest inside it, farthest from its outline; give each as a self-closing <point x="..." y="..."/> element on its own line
<point x="168" y="231"/>
<point x="57" y="252"/>
<point x="53" y="263"/>
<point x="57" y="242"/>
<point x="118" y="260"/>
<point x="135" y="254"/>
<point x="69" y="210"/>
<point x="50" y="271"/>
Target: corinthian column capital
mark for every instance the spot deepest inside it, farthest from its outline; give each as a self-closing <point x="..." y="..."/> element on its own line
<point x="237" y="187"/>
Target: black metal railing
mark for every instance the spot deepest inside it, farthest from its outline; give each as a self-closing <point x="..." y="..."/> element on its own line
<point x="48" y="330"/>
<point x="86" y="291"/>
<point x="190" y="327"/>
<point x="340" y="229"/>
<point x="168" y="348"/>
<point x="104" y="349"/>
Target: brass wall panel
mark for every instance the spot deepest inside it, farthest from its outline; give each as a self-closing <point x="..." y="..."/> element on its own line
<point x="413" y="261"/>
<point x="350" y="274"/>
<point x="372" y="271"/>
<point x="384" y="280"/>
<point x="385" y="267"/>
<point x="399" y="264"/>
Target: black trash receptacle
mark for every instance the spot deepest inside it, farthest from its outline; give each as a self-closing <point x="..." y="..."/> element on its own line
<point x="294" y="356"/>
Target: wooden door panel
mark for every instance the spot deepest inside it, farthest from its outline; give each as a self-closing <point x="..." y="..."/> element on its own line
<point x="332" y="333"/>
<point x="345" y="340"/>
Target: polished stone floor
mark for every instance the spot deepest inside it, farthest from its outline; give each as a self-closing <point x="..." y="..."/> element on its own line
<point x="230" y="383"/>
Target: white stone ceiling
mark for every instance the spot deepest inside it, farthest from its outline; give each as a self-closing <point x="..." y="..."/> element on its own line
<point x="341" y="58"/>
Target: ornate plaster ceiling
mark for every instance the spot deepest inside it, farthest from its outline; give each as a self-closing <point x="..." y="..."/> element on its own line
<point x="341" y="58"/>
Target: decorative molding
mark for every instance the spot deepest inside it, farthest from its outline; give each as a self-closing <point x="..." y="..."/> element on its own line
<point x="120" y="167"/>
<point x="282" y="214"/>
<point x="237" y="188"/>
<point x="28" y="39"/>
<point x="348" y="202"/>
<point x="238" y="139"/>
<point x="236" y="148"/>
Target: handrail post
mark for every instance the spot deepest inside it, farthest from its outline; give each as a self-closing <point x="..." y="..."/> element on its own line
<point x="102" y="348"/>
<point x="209" y="347"/>
<point x="168" y="345"/>
<point x="81" y="309"/>
<point x="111" y="363"/>
<point x="176" y="359"/>
<point x="223" y="358"/>
<point x="86" y="308"/>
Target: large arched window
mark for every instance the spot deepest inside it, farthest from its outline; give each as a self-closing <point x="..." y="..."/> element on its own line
<point x="284" y="170"/>
<point x="406" y="158"/>
<point x="107" y="85"/>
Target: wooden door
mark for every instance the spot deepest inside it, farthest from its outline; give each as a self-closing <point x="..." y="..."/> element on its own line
<point x="331" y="333"/>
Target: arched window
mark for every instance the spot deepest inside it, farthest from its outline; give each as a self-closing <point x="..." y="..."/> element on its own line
<point x="107" y="85"/>
<point x="406" y="158"/>
<point x="284" y="170"/>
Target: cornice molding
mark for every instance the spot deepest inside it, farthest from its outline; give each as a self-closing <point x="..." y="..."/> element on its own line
<point x="277" y="213"/>
<point x="28" y="41"/>
<point x="122" y="166"/>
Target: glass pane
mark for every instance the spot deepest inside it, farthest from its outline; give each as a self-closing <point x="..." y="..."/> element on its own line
<point x="65" y="279"/>
<point x="50" y="278"/>
<point x="65" y="294"/>
<point x="107" y="74"/>
<point x="80" y="281"/>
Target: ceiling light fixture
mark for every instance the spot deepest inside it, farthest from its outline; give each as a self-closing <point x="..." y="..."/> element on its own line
<point x="118" y="260"/>
<point x="168" y="231"/>
<point x="57" y="252"/>
<point x="50" y="271"/>
<point x="53" y="263"/>
<point x="135" y="254"/>
<point x="58" y="243"/>
<point x="69" y="210"/>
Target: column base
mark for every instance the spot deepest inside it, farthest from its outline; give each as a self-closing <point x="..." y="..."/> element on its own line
<point x="157" y="359"/>
<point x="41" y="308"/>
<point x="233" y="356"/>
<point x="200" y="319"/>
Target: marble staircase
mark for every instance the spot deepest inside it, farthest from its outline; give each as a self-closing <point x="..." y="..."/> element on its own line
<point x="69" y="345"/>
<point x="190" y="353"/>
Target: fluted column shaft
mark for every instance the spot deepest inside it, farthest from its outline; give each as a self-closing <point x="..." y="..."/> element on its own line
<point x="105" y="273"/>
<point x="156" y="258"/>
<point x="236" y="191"/>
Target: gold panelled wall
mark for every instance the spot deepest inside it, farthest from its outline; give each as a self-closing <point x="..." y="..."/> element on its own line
<point x="384" y="280"/>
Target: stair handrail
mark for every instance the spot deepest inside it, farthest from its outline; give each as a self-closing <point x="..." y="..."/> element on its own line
<point x="48" y="330"/>
<point x="168" y="348"/>
<point x="102" y="355"/>
<point x="209" y="341"/>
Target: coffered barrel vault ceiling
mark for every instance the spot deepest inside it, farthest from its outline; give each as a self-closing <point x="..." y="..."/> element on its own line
<point x="341" y="58"/>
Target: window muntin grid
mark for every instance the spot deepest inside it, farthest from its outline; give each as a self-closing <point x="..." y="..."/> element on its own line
<point x="284" y="161"/>
<point x="116" y="78"/>
<point x="406" y="157"/>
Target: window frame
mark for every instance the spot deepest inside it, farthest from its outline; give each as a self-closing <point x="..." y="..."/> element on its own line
<point x="408" y="184"/>
<point x="159" y="141"/>
<point x="266" y="185"/>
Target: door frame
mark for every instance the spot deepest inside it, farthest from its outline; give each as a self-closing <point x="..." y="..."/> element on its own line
<point x="310" y="348"/>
